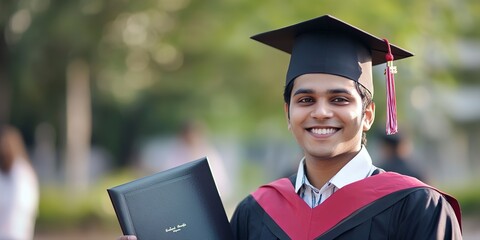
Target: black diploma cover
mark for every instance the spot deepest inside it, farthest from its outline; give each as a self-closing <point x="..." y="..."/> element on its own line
<point x="179" y="203"/>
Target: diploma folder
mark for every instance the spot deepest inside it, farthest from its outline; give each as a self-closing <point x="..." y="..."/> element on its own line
<point x="179" y="203"/>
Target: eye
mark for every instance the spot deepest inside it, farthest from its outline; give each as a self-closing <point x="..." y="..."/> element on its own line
<point x="340" y="100"/>
<point x="305" y="100"/>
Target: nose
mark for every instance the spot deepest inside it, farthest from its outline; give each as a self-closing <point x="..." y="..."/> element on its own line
<point x="321" y="110"/>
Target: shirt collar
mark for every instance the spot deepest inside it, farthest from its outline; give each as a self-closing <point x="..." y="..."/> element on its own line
<point x="356" y="169"/>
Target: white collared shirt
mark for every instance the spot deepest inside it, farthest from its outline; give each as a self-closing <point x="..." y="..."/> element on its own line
<point x="356" y="169"/>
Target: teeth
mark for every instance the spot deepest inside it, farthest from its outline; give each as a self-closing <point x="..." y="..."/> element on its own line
<point x="323" y="130"/>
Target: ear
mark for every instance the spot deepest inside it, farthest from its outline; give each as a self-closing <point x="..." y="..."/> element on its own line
<point x="369" y="116"/>
<point x="287" y="114"/>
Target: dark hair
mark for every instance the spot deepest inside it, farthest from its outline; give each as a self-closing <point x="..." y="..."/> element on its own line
<point x="367" y="99"/>
<point x="365" y="95"/>
<point x="287" y="92"/>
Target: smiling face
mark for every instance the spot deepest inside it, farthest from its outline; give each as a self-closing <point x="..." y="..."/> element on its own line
<point x="326" y="117"/>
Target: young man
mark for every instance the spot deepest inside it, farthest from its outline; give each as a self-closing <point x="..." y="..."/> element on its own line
<point x="337" y="193"/>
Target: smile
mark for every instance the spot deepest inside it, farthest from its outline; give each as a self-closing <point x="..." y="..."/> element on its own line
<point x="323" y="131"/>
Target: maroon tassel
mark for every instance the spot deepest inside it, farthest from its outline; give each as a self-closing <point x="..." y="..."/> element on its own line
<point x="392" y="126"/>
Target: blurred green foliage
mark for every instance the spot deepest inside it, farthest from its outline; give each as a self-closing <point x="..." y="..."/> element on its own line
<point x="469" y="199"/>
<point x="60" y="209"/>
<point x="155" y="63"/>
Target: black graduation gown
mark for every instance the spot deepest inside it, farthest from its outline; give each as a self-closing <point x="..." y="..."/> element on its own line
<point x="412" y="213"/>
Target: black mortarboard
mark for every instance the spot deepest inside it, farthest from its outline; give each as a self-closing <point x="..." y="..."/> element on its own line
<point x="328" y="45"/>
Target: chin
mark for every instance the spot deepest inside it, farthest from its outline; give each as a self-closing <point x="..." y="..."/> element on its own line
<point x="322" y="154"/>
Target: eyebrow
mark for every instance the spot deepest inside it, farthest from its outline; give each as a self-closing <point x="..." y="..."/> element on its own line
<point x="330" y="91"/>
<point x="303" y="91"/>
<point x="339" y="91"/>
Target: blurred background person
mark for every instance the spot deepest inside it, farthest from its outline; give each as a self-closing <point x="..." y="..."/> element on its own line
<point x="397" y="157"/>
<point x="191" y="142"/>
<point x="19" y="188"/>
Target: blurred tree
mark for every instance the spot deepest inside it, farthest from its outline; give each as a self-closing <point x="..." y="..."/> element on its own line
<point x="154" y="63"/>
<point x="6" y="9"/>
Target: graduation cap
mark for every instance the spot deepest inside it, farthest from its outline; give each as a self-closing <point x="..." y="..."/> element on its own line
<point x="328" y="45"/>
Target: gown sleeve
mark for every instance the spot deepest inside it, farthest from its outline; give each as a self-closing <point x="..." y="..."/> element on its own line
<point x="249" y="222"/>
<point x="239" y="221"/>
<point x="425" y="214"/>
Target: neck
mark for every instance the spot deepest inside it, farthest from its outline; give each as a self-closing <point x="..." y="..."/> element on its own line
<point x="320" y="171"/>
